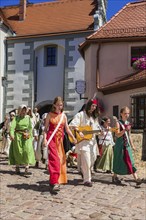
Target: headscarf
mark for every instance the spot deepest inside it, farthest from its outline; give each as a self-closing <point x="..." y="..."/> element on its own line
<point x="20" y="108"/>
<point x="12" y="114"/>
<point x="94" y="101"/>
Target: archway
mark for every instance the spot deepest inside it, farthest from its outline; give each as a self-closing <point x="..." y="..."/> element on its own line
<point x="44" y="109"/>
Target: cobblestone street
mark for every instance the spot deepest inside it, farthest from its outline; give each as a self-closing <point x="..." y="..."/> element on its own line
<point x="29" y="197"/>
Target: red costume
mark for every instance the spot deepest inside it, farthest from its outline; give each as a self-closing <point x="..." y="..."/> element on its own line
<point x="57" y="158"/>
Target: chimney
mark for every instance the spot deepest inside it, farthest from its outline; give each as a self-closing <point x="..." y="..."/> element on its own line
<point x="22" y="10"/>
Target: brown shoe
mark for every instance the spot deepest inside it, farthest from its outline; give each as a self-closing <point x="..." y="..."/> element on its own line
<point x="37" y="164"/>
<point x="89" y="184"/>
<point x="138" y="182"/>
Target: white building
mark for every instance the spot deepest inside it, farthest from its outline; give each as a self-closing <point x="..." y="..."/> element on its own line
<point x="42" y="60"/>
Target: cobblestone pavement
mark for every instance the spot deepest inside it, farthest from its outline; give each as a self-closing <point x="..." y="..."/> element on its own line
<point x="29" y="197"/>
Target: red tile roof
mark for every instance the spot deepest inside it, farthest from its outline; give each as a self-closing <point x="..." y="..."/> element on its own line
<point x="52" y="17"/>
<point x="135" y="80"/>
<point x="130" y="21"/>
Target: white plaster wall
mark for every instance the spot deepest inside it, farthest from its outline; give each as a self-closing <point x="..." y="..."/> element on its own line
<point x="2" y="69"/>
<point x="49" y="78"/>
<point x="19" y="57"/>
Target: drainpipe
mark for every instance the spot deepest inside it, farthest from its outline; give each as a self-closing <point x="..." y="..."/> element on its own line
<point x="64" y="81"/>
<point x="97" y="70"/>
<point x="5" y="78"/>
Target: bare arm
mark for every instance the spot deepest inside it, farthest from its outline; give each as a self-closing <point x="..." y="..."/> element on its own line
<point x="75" y="123"/>
<point x="46" y="129"/>
<point x="119" y="133"/>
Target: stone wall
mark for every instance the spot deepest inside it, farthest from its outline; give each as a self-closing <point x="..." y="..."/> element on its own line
<point x="139" y="155"/>
<point x="137" y="140"/>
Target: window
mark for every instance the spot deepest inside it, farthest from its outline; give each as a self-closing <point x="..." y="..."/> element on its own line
<point x="51" y="56"/>
<point x="137" y="52"/>
<point x="116" y="111"/>
<point x="138" y="115"/>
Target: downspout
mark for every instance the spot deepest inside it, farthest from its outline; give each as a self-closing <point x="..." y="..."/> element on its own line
<point x="64" y="80"/>
<point x="5" y="78"/>
<point x="97" y="69"/>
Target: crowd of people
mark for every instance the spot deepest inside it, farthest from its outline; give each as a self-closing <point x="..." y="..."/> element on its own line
<point x="29" y="139"/>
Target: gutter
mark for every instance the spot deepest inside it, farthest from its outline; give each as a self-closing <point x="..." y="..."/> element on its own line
<point x="49" y="34"/>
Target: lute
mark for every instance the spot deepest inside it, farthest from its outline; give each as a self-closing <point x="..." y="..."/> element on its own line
<point x="86" y="130"/>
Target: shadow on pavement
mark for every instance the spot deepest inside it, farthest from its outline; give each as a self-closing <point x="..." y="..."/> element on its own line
<point x="7" y="172"/>
<point x="3" y="160"/>
<point x="75" y="182"/>
<point x="4" y="163"/>
<point x="43" y="189"/>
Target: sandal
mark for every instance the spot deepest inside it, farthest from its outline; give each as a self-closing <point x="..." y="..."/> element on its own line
<point x="138" y="182"/>
<point x="17" y="169"/>
<point x="55" y="187"/>
<point x="26" y="171"/>
<point x="116" y="180"/>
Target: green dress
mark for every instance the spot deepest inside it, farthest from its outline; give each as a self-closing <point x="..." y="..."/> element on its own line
<point x="106" y="161"/>
<point x="21" y="150"/>
<point x="119" y="163"/>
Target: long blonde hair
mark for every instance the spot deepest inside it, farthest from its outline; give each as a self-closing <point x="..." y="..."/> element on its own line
<point x="57" y="99"/>
<point x="124" y="109"/>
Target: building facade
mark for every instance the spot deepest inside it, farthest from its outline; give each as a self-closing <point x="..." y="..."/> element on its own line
<point x="109" y="55"/>
<point x="42" y="60"/>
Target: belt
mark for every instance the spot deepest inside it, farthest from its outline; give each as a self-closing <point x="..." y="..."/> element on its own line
<point x="21" y="130"/>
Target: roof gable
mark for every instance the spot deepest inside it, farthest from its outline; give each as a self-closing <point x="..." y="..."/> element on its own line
<point x="52" y="17"/>
<point x="130" y="21"/>
<point x="131" y="81"/>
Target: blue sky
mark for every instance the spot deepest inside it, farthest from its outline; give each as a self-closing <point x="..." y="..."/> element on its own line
<point x="113" y="5"/>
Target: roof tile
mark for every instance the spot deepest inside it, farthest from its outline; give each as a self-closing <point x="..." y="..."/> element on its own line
<point x="52" y="17"/>
<point x="130" y="21"/>
<point x="138" y="76"/>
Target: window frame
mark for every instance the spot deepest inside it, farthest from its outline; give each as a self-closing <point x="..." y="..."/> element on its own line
<point x="116" y="110"/>
<point x="130" y="45"/>
<point x="52" y="56"/>
<point x="136" y="106"/>
<point x="139" y="54"/>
